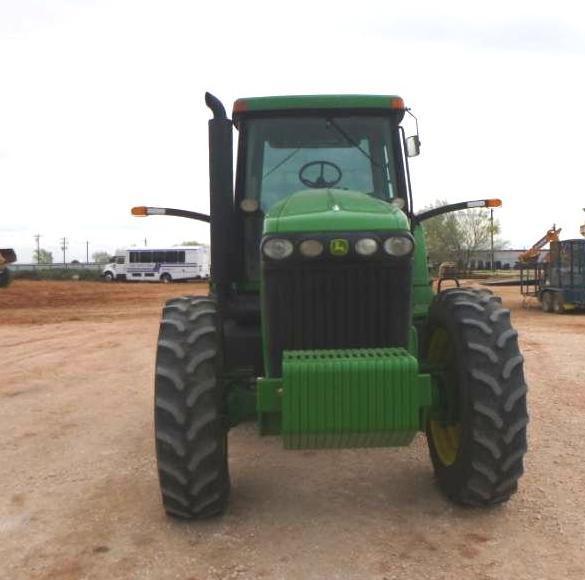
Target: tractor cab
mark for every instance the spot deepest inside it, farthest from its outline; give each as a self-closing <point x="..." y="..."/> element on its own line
<point x="315" y="155"/>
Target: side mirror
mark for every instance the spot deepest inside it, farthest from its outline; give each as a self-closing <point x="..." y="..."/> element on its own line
<point x="412" y="146"/>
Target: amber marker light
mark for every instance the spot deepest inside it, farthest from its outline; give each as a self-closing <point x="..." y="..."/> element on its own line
<point x="397" y="103"/>
<point x="482" y="203"/>
<point x="140" y="211"/>
<point x="240" y="106"/>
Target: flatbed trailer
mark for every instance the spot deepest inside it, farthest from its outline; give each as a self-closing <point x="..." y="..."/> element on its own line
<point x="559" y="284"/>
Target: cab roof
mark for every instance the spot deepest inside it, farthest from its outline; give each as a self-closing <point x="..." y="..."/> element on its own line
<point x="317" y="102"/>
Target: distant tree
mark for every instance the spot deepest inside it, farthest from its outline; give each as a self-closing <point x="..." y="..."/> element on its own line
<point x="193" y="243"/>
<point x="456" y="236"/>
<point x="41" y="256"/>
<point x="101" y="257"/>
<point x="476" y="231"/>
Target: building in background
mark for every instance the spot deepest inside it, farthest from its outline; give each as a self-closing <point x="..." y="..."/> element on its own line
<point x="503" y="259"/>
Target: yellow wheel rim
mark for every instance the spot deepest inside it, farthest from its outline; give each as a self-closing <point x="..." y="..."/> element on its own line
<point x="446" y="438"/>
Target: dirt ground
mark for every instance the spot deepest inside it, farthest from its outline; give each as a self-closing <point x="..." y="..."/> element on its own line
<point x="79" y="494"/>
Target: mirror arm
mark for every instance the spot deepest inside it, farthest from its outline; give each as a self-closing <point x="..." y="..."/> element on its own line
<point x="143" y="211"/>
<point x="431" y="213"/>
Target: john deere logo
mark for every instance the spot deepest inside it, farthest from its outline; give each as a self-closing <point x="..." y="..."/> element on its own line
<point x="339" y="247"/>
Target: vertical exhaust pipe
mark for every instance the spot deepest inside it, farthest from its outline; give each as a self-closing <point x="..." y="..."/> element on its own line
<point x="221" y="196"/>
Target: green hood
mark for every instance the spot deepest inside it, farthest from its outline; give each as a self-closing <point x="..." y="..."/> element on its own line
<point x="331" y="210"/>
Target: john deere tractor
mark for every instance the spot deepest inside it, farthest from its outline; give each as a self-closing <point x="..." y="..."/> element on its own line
<point x="321" y="323"/>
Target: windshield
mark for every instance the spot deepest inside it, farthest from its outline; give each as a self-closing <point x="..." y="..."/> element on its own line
<point x="290" y="154"/>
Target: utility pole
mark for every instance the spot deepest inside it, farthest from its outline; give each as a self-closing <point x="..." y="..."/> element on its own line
<point x="64" y="247"/>
<point x="38" y="240"/>
<point x="87" y="252"/>
<point x="492" y="236"/>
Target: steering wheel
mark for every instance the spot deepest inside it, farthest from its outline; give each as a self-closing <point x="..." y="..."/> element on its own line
<point x="320" y="182"/>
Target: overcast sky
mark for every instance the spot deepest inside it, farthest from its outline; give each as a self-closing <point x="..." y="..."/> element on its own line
<point x="101" y="104"/>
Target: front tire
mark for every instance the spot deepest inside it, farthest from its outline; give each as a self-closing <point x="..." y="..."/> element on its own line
<point x="477" y="430"/>
<point x="190" y="423"/>
<point x="166" y="278"/>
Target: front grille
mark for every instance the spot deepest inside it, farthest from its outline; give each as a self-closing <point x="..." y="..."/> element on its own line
<point x="330" y="305"/>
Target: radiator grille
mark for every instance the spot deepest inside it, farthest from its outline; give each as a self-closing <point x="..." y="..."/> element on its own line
<point x="331" y="306"/>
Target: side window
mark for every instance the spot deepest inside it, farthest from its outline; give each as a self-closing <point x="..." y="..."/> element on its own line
<point x="134" y="257"/>
<point x="158" y="257"/>
<point x="181" y="256"/>
<point x="388" y="167"/>
<point x="171" y="257"/>
<point x="120" y="259"/>
<point x="145" y="257"/>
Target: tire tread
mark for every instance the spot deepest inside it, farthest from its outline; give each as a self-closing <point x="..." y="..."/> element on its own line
<point x="190" y="431"/>
<point x="487" y="347"/>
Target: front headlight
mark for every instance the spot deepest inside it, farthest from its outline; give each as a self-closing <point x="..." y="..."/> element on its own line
<point x="311" y="248"/>
<point x="366" y="246"/>
<point x="398" y="246"/>
<point x="278" y="248"/>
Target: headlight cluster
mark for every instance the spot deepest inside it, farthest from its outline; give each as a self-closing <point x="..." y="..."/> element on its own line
<point x="366" y="246"/>
<point x="397" y="246"/>
<point x="278" y="248"/>
<point x="311" y="248"/>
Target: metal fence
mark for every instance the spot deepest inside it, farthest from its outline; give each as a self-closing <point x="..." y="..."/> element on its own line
<point x="38" y="267"/>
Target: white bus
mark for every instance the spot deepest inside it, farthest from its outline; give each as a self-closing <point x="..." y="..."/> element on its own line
<point x="159" y="264"/>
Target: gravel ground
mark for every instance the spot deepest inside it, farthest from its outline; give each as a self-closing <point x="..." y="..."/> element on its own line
<point x="80" y="496"/>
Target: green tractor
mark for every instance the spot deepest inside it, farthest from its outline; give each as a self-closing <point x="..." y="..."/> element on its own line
<point x="321" y="323"/>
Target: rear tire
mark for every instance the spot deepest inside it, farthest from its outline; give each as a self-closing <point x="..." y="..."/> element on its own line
<point x="166" y="278"/>
<point x="477" y="432"/>
<point x="547" y="302"/>
<point x="558" y="303"/>
<point x="190" y="422"/>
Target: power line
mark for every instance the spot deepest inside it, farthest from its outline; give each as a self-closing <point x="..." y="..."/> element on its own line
<point x="64" y="248"/>
<point x="37" y="237"/>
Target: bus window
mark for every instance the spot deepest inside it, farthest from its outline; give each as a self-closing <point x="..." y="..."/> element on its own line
<point x="171" y="257"/>
<point x="134" y="257"/>
<point x="145" y="257"/>
<point x="181" y="257"/>
<point x="158" y="257"/>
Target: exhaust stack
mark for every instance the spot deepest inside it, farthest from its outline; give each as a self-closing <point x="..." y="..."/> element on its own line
<point x="221" y="196"/>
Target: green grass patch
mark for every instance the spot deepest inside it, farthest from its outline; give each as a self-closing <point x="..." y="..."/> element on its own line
<point x="57" y="274"/>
